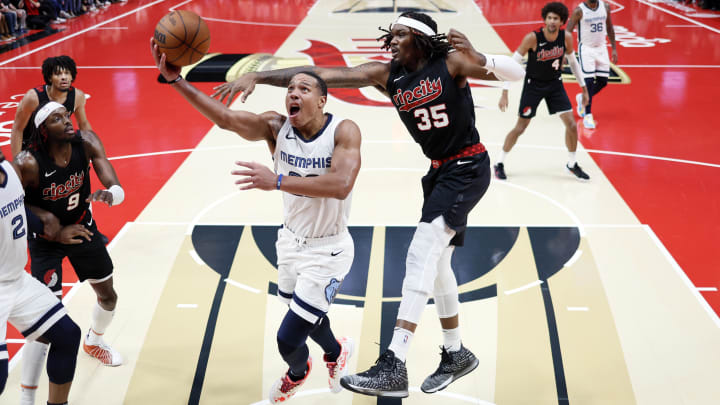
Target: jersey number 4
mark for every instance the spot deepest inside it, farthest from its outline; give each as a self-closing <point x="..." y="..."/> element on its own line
<point x="438" y="115"/>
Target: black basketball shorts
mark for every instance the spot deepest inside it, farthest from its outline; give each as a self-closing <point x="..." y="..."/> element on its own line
<point x="453" y="189"/>
<point x="535" y="91"/>
<point x="90" y="260"/>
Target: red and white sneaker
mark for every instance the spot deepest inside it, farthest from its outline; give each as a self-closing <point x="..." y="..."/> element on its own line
<point x="338" y="369"/>
<point x="285" y="388"/>
<point x="103" y="352"/>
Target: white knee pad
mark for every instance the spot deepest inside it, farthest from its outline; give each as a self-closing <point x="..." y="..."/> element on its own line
<point x="446" y="288"/>
<point x="421" y="266"/>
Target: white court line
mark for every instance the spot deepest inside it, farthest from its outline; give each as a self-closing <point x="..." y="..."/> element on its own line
<point x="15" y="341"/>
<point x="32" y="51"/>
<point x="523" y="288"/>
<point x="69" y="284"/>
<point x="672" y="66"/>
<point x="241" y="285"/>
<point x="202" y="212"/>
<point x="621" y="7"/>
<point x="583" y="309"/>
<point x="187" y="305"/>
<point x="704" y="304"/>
<point x="111" y="28"/>
<point x="71" y="293"/>
<point x="257" y="145"/>
<point x="196" y="257"/>
<point x="683" y="26"/>
<point x="710" y="289"/>
<point x="573" y="259"/>
<point x="180" y="4"/>
<point x="679" y="16"/>
<point x="250" y="22"/>
<point x="515" y="23"/>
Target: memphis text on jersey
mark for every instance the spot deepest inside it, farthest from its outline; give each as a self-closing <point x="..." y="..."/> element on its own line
<point x="305" y="163"/>
<point x="55" y="191"/>
<point x="426" y="91"/>
<point x="549" y="54"/>
<point x="12" y="206"/>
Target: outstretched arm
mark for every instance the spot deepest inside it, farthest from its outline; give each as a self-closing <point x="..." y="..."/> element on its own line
<point x="337" y="183"/>
<point x="94" y="149"/>
<point x="250" y="126"/>
<point x="468" y="62"/>
<point x="367" y="74"/>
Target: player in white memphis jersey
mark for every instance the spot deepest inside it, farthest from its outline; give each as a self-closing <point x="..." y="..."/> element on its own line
<point x="593" y="21"/>
<point x="317" y="159"/>
<point x="25" y="302"/>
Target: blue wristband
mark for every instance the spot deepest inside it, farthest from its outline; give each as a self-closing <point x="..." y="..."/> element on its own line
<point x="279" y="181"/>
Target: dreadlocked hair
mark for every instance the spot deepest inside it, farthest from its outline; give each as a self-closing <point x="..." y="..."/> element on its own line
<point x="57" y="64"/>
<point x="433" y="47"/>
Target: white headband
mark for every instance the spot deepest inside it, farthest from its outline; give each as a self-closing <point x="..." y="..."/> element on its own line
<point x="418" y="25"/>
<point x="45" y="111"/>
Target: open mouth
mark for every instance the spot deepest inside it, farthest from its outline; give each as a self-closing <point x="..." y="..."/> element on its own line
<point x="294" y="110"/>
<point x="69" y="129"/>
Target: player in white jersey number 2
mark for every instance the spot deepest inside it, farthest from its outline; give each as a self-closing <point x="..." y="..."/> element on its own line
<point x="317" y="159"/>
<point x="29" y="305"/>
<point x="593" y="21"/>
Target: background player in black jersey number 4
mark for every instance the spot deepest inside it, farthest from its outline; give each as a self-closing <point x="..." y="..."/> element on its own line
<point x="429" y="88"/>
<point x="56" y="170"/>
<point x="546" y="47"/>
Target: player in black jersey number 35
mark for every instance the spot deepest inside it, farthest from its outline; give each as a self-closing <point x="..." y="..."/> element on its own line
<point x="427" y="83"/>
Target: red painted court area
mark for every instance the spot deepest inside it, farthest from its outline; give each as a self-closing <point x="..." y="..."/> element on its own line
<point x="671" y="56"/>
<point x="666" y="111"/>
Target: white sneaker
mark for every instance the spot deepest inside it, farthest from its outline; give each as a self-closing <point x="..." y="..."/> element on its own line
<point x="103" y="352"/>
<point x="580" y="109"/>
<point x="338" y="368"/>
<point x="589" y="122"/>
<point x="64" y="14"/>
<point x="284" y="388"/>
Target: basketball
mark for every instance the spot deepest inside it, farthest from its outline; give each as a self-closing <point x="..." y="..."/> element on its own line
<point x="183" y="36"/>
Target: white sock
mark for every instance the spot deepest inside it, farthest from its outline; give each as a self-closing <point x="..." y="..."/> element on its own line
<point x="34" y="354"/>
<point x="451" y="339"/>
<point x="98" y="324"/>
<point x="571" y="159"/>
<point x="401" y="343"/>
<point x="503" y="154"/>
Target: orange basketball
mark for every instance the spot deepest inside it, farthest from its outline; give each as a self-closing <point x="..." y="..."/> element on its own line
<point x="183" y="36"/>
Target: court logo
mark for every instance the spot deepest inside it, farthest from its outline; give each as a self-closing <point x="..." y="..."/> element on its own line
<point x="331" y="290"/>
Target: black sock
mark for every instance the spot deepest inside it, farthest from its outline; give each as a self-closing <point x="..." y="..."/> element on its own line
<point x="323" y="336"/>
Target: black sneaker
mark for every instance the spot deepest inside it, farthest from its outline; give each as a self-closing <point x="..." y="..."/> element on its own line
<point x="453" y="365"/>
<point x="500" y="171"/>
<point x="578" y="172"/>
<point x="387" y="378"/>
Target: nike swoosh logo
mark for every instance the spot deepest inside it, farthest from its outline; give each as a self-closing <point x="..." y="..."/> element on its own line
<point x="287" y="136"/>
<point x="90" y="223"/>
<point x="50" y="174"/>
<point x="542" y="43"/>
<point x="336" y="253"/>
<point x="462" y="162"/>
<point x="394" y="80"/>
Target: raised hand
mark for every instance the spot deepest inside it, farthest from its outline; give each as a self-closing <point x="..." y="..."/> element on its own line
<point x="244" y="84"/>
<point x="168" y="71"/>
<point x="101" y="195"/>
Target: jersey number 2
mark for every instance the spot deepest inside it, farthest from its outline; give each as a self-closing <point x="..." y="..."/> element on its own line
<point x="19" y="230"/>
<point x="438" y="115"/>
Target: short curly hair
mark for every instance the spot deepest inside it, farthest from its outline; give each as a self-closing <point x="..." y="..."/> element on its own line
<point x="56" y="64"/>
<point x="557" y="8"/>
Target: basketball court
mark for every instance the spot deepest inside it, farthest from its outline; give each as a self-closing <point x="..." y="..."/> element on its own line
<point x="572" y="292"/>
